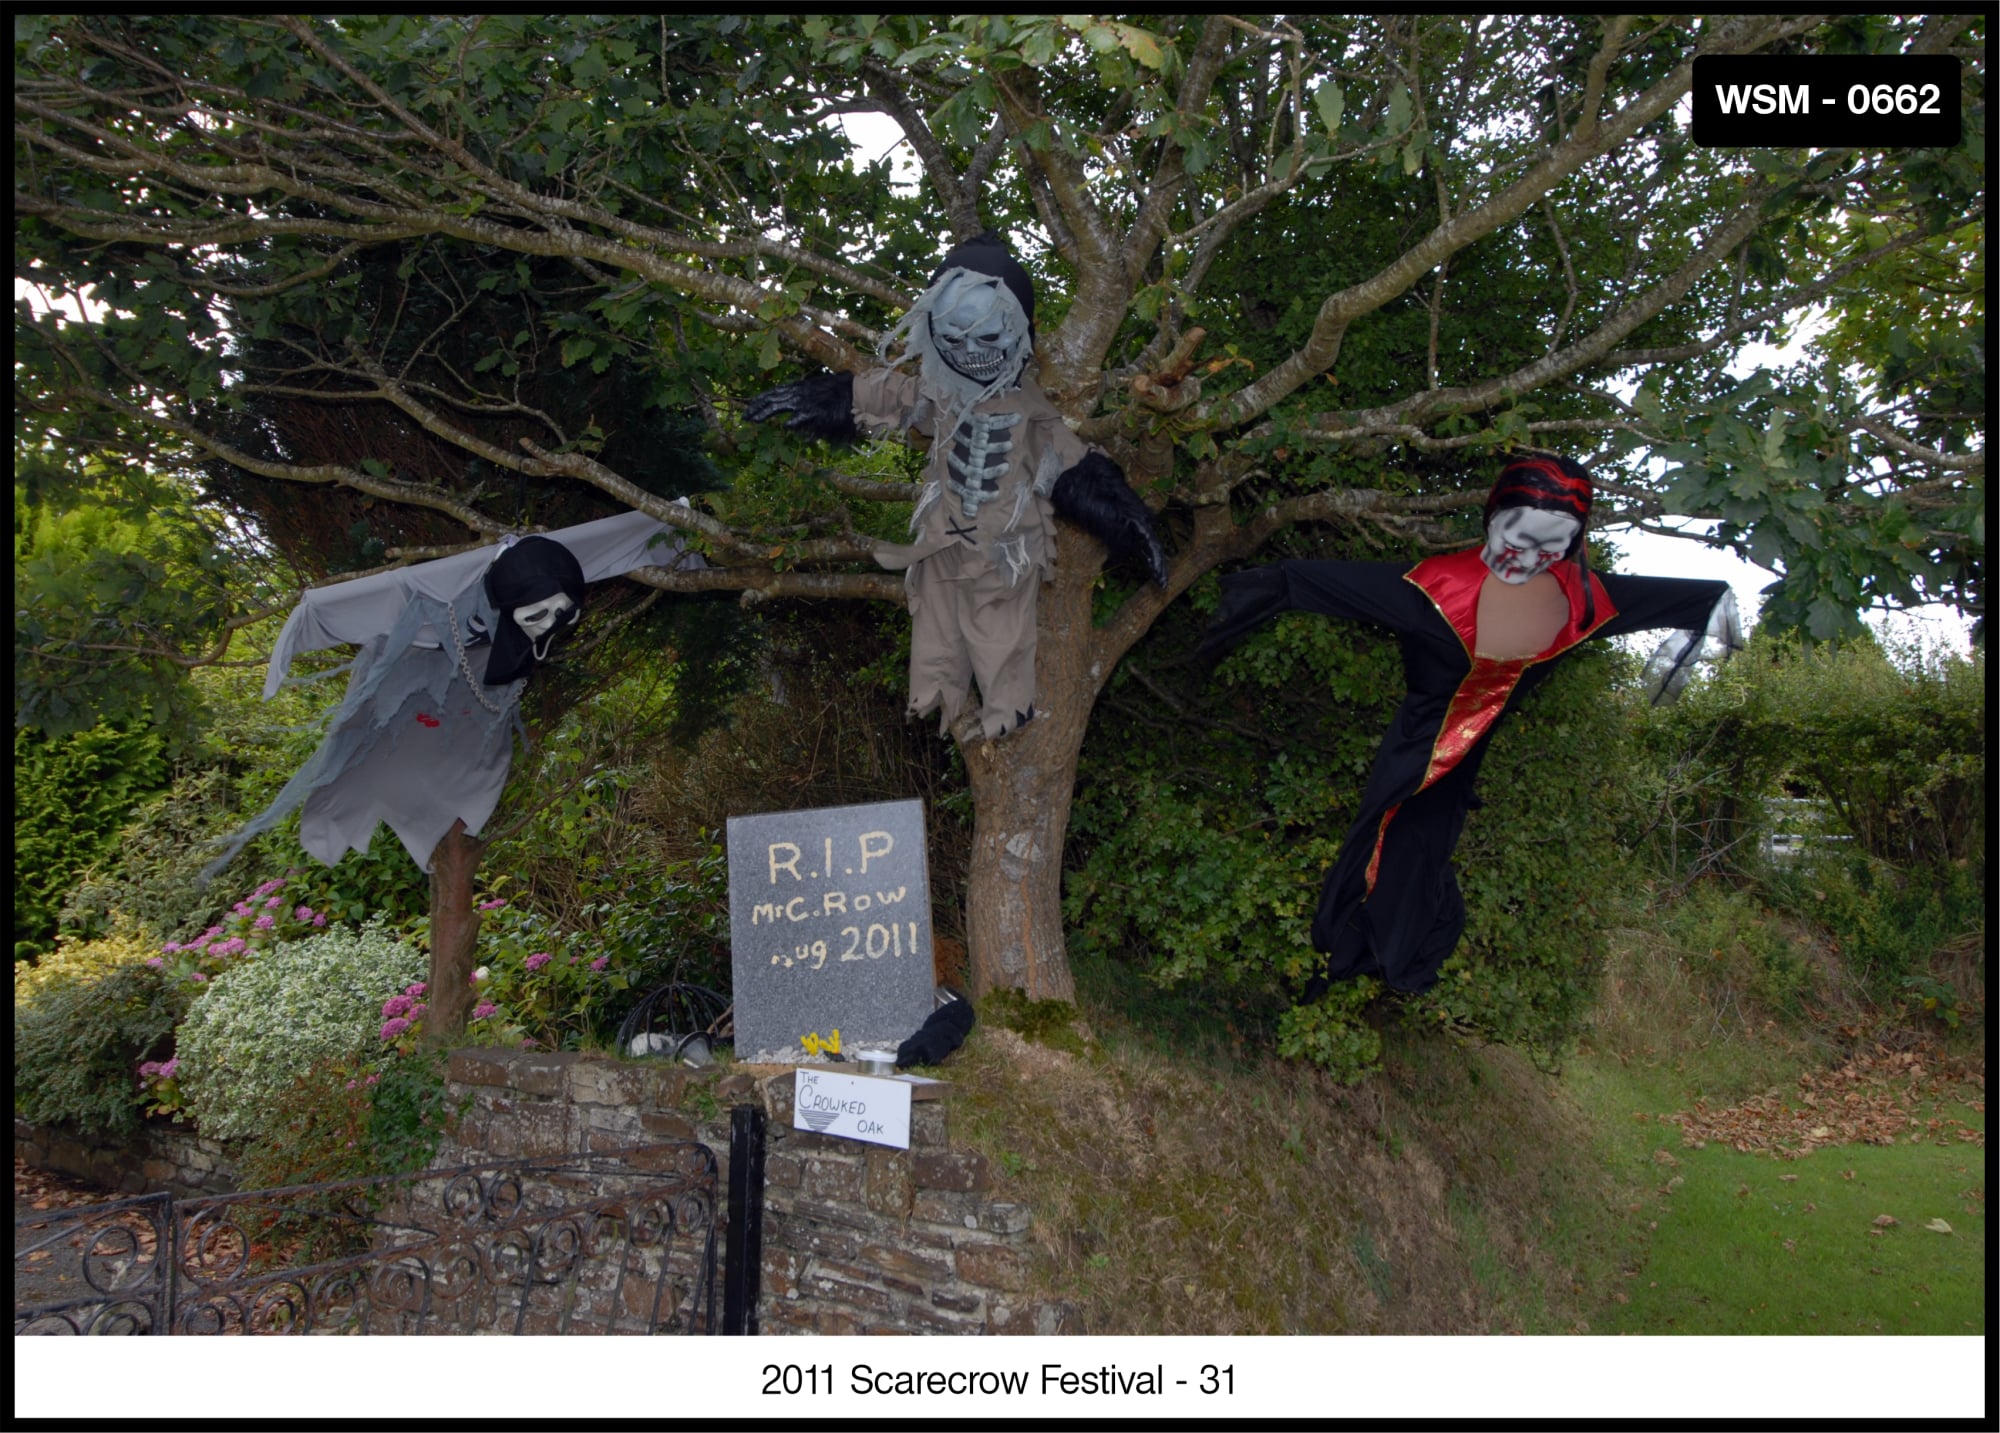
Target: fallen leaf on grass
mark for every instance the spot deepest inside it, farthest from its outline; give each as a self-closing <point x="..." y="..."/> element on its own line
<point x="1788" y="1179"/>
<point x="1886" y="1221"/>
<point x="1938" y="1226"/>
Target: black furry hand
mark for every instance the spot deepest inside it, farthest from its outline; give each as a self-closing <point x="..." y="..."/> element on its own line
<point x="1095" y="496"/>
<point x="821" y="407"/>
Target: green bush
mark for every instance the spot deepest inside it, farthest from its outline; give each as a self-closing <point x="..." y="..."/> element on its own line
<point x="85" y="1015"/>
<point x="269" y="1020"/>
<point x="71" y="797"/>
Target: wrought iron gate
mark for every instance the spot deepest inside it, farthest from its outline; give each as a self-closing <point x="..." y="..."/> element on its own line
<point x="609" y="1244"/>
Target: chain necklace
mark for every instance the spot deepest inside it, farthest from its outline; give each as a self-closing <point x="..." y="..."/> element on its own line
<point x="465" y="665"/>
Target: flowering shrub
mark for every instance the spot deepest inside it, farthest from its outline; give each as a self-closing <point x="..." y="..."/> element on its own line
<point x="260" y="920"/>
<point x="160" y="1079"/>
<point x="267" y="1021"/>
<point x="542" y="987"/>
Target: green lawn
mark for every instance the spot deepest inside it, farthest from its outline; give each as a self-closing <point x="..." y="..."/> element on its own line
<point x="1738" y="1247"/>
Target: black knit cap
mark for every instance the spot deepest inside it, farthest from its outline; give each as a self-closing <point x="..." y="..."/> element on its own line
<point x="986" y="253"/>
<point x="531" y="570"/>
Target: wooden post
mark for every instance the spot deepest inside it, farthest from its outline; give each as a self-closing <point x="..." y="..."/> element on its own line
<point x="454" y="934"/>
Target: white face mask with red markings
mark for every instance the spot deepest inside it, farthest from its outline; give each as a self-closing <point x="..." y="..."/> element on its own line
<point x="1525" y="542"/>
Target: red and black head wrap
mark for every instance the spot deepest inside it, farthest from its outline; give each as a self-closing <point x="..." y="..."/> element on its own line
<point x="1553" y="485"/>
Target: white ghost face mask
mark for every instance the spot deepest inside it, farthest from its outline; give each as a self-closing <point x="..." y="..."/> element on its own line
<point x="978" y="329"/>
<point x="542" y="620"/>
<point x="1522" y="542"/>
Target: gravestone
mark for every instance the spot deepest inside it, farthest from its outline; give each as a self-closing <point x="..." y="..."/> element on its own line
<point x="830" y="929"/>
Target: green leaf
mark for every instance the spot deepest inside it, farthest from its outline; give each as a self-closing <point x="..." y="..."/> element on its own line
<point x="1330" y="99"/>
<point x="769" y="354"/>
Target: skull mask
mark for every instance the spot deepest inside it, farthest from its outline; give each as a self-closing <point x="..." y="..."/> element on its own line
<point x="978" y="328"/>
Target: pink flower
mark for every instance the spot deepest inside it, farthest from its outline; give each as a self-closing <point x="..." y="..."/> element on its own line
<point x="212" y="932"/>
<point x="537" y="961"/>
<point x="417" y="989"/>
<point x="241" y="908"/>
<point x="197" y="976"/>
<point x="494" y="904"/>
<point x="417" y="1010"/>
<point x="171" y="946"/>
<point x="167" y="1070"/>
<point x="151" y="1067"/>
<point x="353" y="1085"/>
<point x="270" y="886"/>
<point x="483" y="1009"/>
<point x="303" y="913"/>
<point x="320" y="919"/>
<point x="371" y="1079"/>
<point x="265" y="923"/>
<point x="600" y="962"/>
<point x="395" y="1005"/>
<point x="392" y="1028"/>
<point x="156" y="962"/>
<point x="275" y="903"/>
<point x="235" y="945"/>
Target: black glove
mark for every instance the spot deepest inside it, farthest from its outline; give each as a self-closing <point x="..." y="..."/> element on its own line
<point x="942" y="1033"/>
<point x="821" y="407"/>
<point x="1095" y="496"/>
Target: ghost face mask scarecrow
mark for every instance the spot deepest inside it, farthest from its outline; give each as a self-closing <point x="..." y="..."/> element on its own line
<point x="425" y="735"/>
<point x="1390" y="906"/>
<point x="1003" y="467"/>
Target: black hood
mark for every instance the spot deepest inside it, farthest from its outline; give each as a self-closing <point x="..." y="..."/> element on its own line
<point x="531" y="570"/>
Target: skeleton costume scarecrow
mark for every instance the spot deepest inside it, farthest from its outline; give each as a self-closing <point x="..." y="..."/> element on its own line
<point x="425" y="734"/>
<point x="1003" y="466"/>
<point x="1480" y="629"/>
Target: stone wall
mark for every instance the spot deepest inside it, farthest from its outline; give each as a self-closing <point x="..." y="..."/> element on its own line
<point x="161" y="1156"/>
<point x="858" y="1238"/>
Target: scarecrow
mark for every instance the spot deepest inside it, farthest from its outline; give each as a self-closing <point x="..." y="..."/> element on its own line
<point x="1480" y="629"/>
<point x="1003" y="466"/>
<point x="425" y="734"/>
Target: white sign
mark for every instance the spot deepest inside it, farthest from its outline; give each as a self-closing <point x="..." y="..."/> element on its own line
<point x="868" y="1107"/>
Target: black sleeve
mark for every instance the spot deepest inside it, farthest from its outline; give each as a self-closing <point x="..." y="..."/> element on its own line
<point x="1360" y="591"/>
<point x="1648" y="602"/>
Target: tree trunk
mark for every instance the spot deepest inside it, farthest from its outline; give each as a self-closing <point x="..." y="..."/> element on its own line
<point x="1022" y="785"/>
<point x="454" y="934"/>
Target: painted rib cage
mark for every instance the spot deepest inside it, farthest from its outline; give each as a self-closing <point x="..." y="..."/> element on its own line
<point x="619" y="1243"/>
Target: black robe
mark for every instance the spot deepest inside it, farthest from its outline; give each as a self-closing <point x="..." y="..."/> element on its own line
<point x="1391" y="906"/>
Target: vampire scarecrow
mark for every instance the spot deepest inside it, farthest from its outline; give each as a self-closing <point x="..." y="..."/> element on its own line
<point x="425" y="734"/>
<point x="1480" y="629"/>
<point x="1003" y="465"/>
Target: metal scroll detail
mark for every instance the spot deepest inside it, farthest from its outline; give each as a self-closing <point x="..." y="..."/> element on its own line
<point x="620" y="1243"/>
